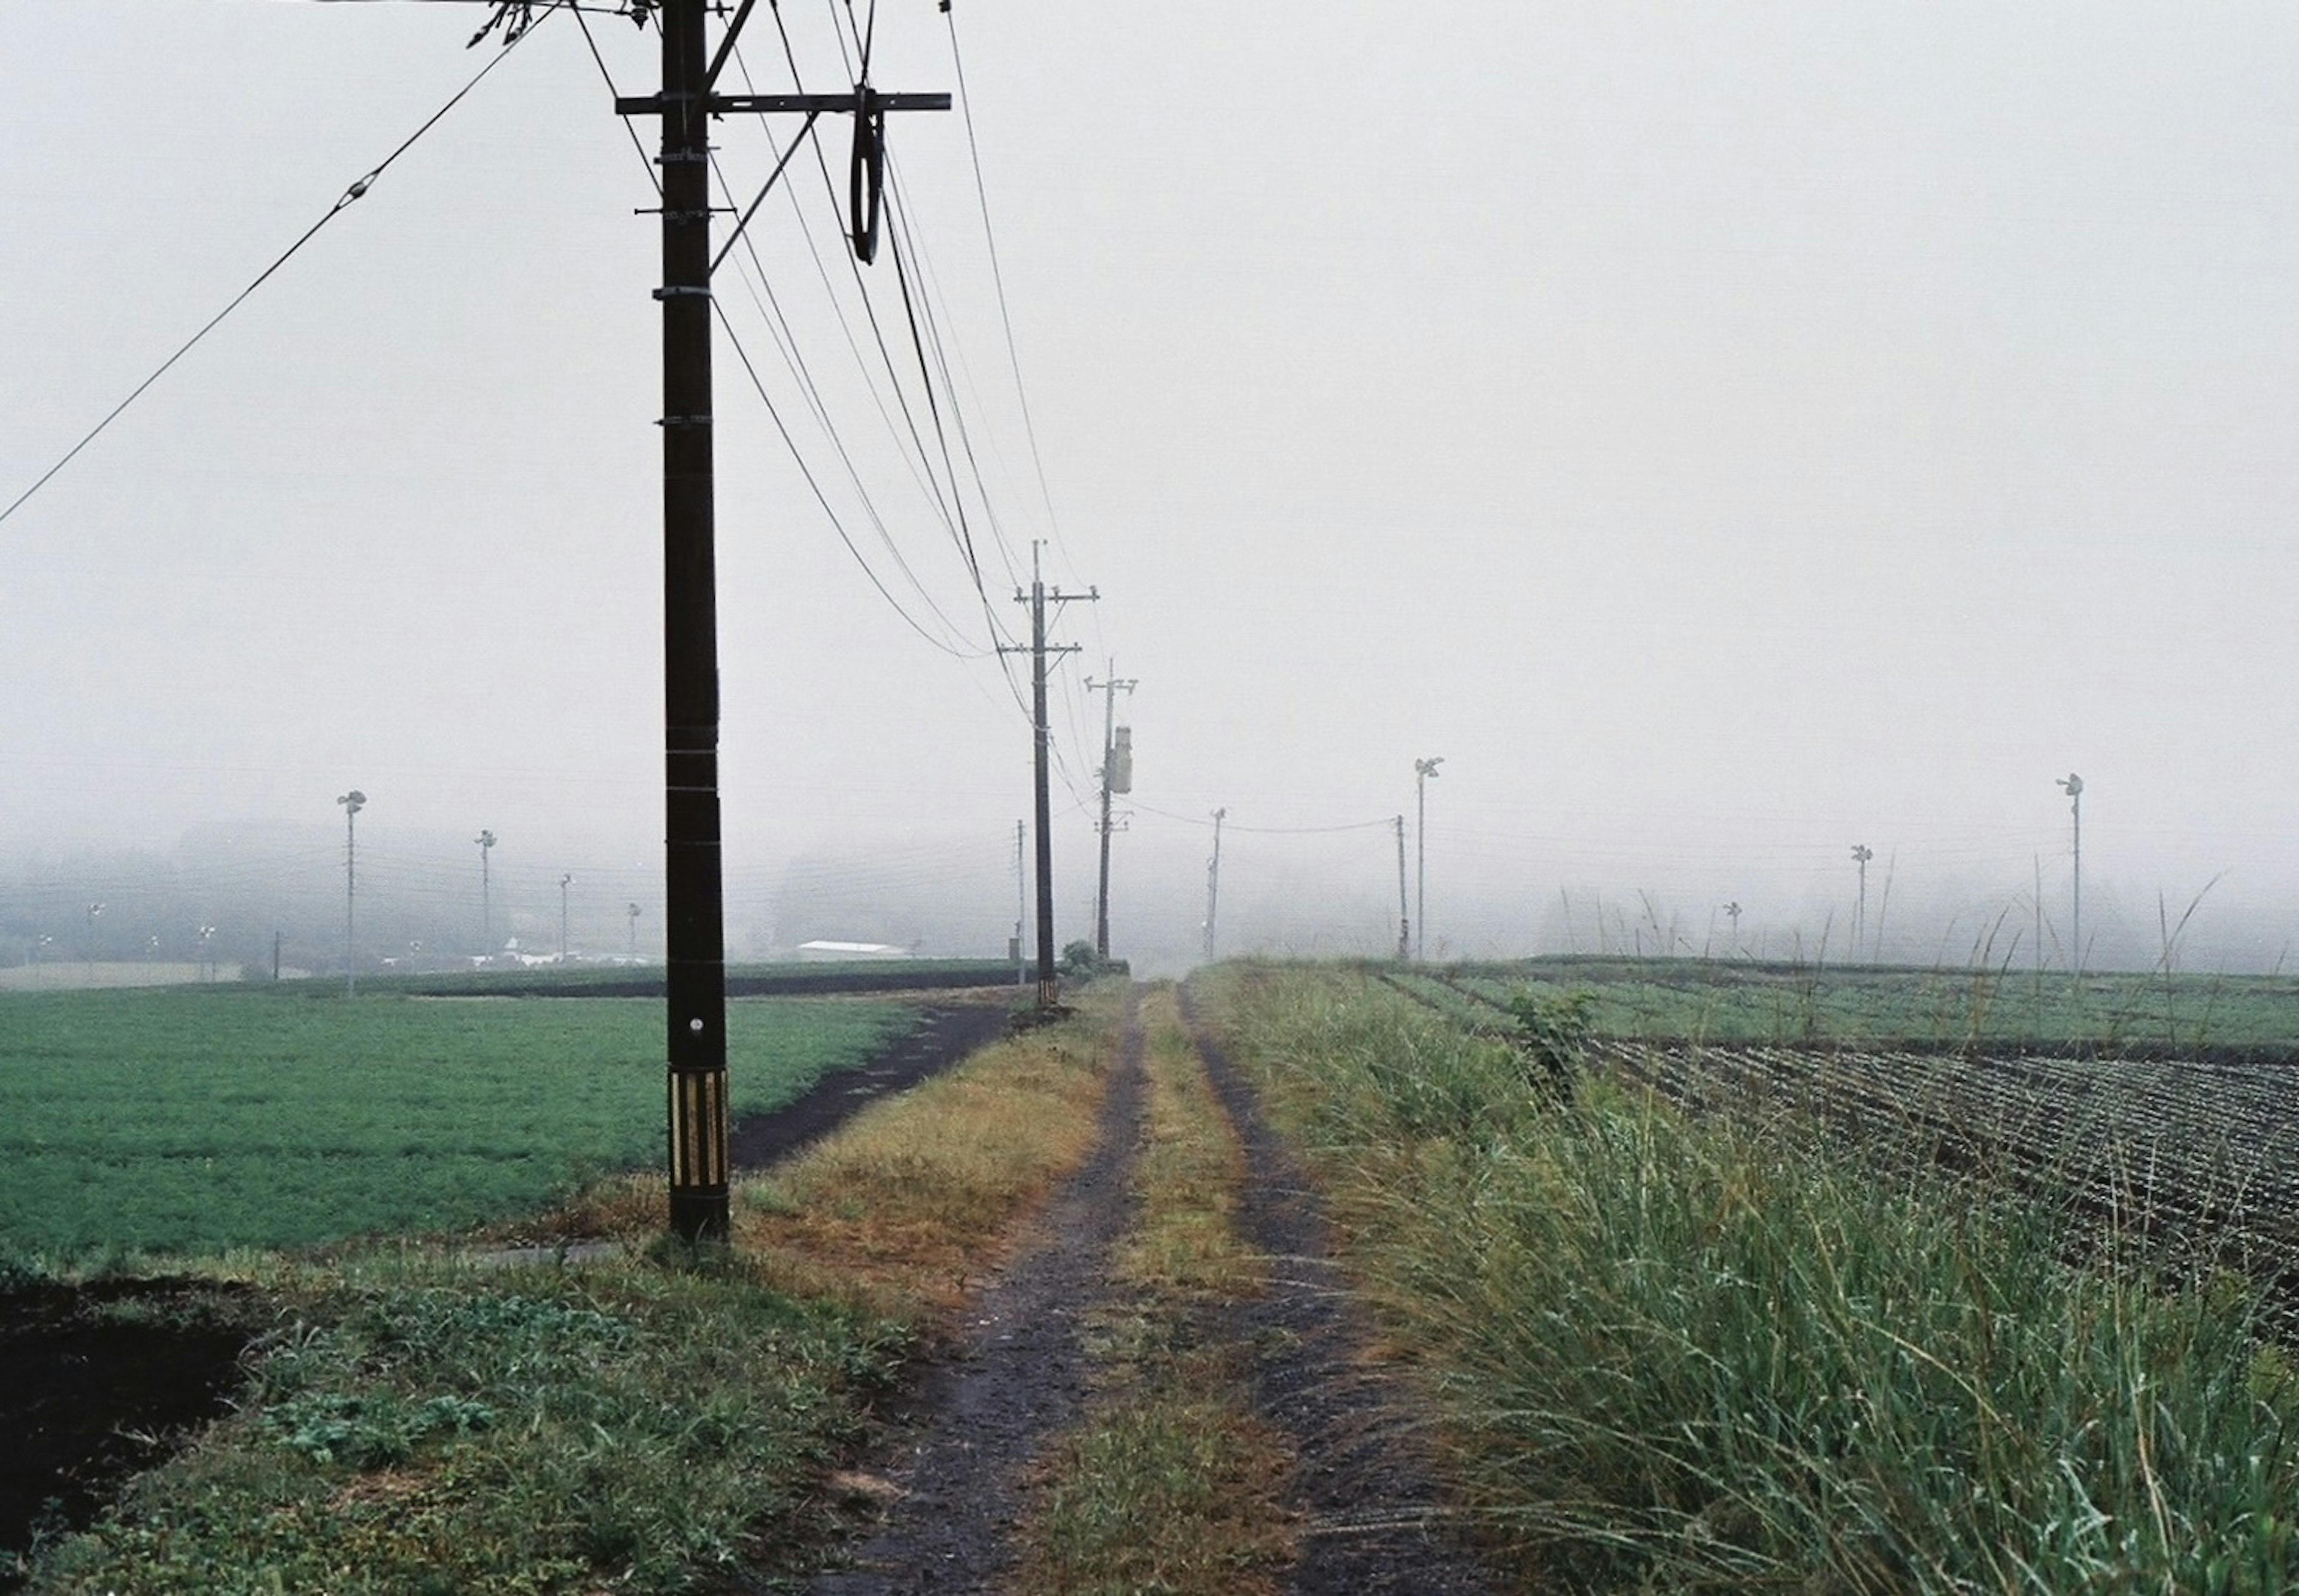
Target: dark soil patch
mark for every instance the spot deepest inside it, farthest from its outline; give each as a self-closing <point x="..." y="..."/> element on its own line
<point x="1018" y="1377"/>
<point x="1373" y="1518"/>
<point x="100" y="1381"/>
<point x="946" y="1035"/>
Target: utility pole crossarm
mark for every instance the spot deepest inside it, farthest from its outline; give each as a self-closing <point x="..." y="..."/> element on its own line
<point x="867" y="99"/>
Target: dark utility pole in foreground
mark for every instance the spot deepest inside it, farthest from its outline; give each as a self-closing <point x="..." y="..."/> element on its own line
<point x="696" y="970"/>
<point x="1116" y="777"/>
<point x="695" y="917"/>
<point x="1049" y="990"/>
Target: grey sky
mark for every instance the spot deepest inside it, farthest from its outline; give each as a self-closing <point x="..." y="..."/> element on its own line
<point x="1724" y="433"/>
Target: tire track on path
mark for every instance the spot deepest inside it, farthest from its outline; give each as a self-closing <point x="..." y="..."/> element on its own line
<point x="1373" y="1522"/>
<point x="1020" y="1377"/>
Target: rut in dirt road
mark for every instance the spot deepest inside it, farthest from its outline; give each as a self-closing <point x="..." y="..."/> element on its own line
<point x="1021" y="1378"/>
<point x="1374" y="1520"/>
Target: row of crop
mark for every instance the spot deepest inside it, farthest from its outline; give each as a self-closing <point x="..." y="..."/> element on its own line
<point x="1697" y="1352"/>
<point x="1724" y="1001"/>
<point x="2200" y="1160"/>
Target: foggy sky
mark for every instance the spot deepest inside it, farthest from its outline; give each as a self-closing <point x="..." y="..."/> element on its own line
<point x="1726" y="435"/>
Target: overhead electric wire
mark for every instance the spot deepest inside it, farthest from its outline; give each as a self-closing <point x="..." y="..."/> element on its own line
<point x="869" y="307"/>
<point x="997" y="277"/>
<point x="1385" y="822"/>
<point x="921" y="267"/>
<point x="815" y="488"/>
<point x="791" y="358"/>
<point x="786" y="344"/>
<point x="358" y="190"/>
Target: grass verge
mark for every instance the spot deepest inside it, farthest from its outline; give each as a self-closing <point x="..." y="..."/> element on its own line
<point x="1685" y="1357"/>
<point x="417" y="1421"/>
<point x="1170" y="1483"/>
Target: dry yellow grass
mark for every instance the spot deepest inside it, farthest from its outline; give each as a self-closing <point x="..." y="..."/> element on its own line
<point x="915" y="1200"/>
<point x="1171" y="1482"/>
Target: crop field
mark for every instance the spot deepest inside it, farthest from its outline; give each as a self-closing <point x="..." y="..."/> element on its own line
<point x="2193" y="1151"/>
<point x="202" y="1118"/>
<point x="1753" y="1345"/>
<point x="1724" y="1001"/>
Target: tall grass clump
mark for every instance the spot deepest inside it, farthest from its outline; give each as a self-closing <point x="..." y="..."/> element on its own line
<point x="1683" y="1356"/>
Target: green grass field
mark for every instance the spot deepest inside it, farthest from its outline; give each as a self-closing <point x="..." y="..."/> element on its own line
<point x="201" y="1118"/>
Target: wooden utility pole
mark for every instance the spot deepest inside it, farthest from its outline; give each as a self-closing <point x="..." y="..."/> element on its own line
<point x="694" y="902"/>
<point x="1114" y="779"/>
<point x="1049" y="984"/>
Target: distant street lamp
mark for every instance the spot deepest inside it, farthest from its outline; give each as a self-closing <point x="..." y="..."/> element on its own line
<point x="207" y="959"/>
<point x="485" y="840"/>
<point x="1861" y="855"/>
<point x="564" y="882"/>
<point x="2073" y="785"/>
<point x="632" y="914"/>
<point x="1212" y="883"/>
<point x="1732" y="913"/>
<point x="1422" y="769"/>
<point x="93" y="910"/>
<point x="353" y="801"/>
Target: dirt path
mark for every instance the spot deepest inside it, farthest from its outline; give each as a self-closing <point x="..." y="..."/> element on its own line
<point x="1373" y="1519"/>
<point x="1370" y="1516"/>
<point x="1020" y="1377"/>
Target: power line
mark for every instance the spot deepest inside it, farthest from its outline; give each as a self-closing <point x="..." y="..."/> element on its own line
<point x="998" y="277"/>
<point x="343" y="202"/>
<point x="1385" y="821"/>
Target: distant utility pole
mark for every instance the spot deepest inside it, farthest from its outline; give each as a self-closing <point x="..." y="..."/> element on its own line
<point x="2073" y="785"/>
<point x="1861" y="855"/>
<point x="1021" y="898"/>
<point x="1404" y="915"/>
<point x="353" y="801"/>
<point x="565" y="881"/>
<point x="1213" y="883"/>
<point x="1422" y="769"/>
<point x="93" y="911"/>
<point x="694" y="899"/>
<point x="1038" y="598"/>
<point x="632" y="914"/>
<point x="1732" y="913"/>
<point x="1116" y="777"/>
<point x="486" y="842"/>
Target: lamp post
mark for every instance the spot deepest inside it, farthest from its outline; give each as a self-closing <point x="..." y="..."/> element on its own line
<point x="486" y="841"/>
<point x="1212" y="883"/>
<point x="2073" y="785"/>
<point x="564" y="882"/>
<point x="1422" y="769"/>
<point x="353" y="801"/>
<point x="1861" y="855"/>
<point x="88" y="946"/>
<point x="207" y="957"/>
<point x="632" y="914"/>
